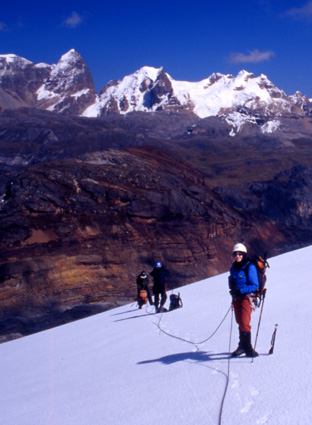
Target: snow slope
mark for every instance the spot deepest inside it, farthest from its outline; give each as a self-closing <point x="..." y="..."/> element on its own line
<point x="119" y="368"/>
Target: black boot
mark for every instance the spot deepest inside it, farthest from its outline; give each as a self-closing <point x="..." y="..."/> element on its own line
<point x="240" y="349"/>
<point x="246" y="340"/>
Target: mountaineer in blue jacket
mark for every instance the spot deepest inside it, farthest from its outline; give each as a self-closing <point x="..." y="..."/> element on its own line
<point x="243" y="281"/>
<point x="159" y="288"/>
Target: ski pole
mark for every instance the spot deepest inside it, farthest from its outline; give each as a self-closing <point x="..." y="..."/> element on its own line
<point x="259" y="322"/>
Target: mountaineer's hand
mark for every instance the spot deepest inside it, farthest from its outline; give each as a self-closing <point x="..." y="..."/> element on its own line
<point x="235" y="293"/>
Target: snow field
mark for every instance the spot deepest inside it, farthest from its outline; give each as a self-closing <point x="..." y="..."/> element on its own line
<point x="119" y="368"/>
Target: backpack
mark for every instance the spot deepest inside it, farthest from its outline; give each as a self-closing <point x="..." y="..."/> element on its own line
<point x="175" y="302"/>
<point x="261" y="265"/>
<point x="143" y="295"/>
<point x="142" y="298"/>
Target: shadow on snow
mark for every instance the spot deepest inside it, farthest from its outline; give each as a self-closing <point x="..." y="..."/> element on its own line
<point x="198" y="356"/>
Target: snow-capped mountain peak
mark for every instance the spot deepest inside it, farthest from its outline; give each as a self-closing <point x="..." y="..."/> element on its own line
<point x="66" y="73"/>
<point x="70" y="57"/>
<point x="69" y="80"/>
<point x="10" y="61"/>
<point x="240" y="99"/>
<point x="67" y="87"/>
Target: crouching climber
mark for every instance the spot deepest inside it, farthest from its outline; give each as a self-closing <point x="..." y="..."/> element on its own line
<point x="143" y="290"/>
<point x="243" y="280"/>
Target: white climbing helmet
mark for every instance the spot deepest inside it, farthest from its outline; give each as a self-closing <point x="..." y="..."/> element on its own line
<point x="239" y="247"/>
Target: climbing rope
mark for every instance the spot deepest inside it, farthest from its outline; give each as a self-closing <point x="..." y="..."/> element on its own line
<point x="202" y="342"/>
<point x="192" y="342"/>
<point x="228" y="373"/>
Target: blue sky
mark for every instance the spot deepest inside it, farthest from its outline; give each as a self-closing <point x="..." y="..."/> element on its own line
<point x="191" y="39"/>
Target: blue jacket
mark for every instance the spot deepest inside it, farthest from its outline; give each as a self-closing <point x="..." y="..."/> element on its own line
<point x="159" y="277"/>
<point x="243" y="280"/>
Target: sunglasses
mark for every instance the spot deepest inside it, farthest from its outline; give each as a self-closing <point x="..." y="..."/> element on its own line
<point x="239" y="254"/>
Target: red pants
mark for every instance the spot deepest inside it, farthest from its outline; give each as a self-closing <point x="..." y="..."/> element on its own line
<point x="242" y="310"/>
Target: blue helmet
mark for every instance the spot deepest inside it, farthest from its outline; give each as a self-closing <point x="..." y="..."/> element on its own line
<point x="158" y="264"/>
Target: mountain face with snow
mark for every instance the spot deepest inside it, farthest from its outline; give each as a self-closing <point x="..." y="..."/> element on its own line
<point x="19" y="80"/>
<point x="151" y="89"/>
<point x="68" y="88"/>
<point x="236" y="100"/>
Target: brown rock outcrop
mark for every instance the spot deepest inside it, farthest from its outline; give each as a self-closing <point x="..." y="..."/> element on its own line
<point x="85" y="205"/>
<point x="79" y="231"/>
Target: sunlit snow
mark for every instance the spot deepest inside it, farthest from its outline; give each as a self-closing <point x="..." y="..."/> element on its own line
<point x="271" y="126"/>
<point x="119" y="368"/>
<point x="80" y="93"/>
<point x="217" y="95"/>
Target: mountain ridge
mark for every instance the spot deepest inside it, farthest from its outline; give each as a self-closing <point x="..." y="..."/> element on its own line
<point x="68" y="88"/>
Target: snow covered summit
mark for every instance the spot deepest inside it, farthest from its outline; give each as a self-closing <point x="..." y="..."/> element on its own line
<point x="151" y="89"/>
<point x="67" y="87"/>
<point x="237" y="100"/>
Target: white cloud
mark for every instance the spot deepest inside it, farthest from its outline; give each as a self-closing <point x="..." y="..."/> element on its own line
<point x="253" y="56"/>
<point x="303" y="12"/>
<point x="74" y="20"/>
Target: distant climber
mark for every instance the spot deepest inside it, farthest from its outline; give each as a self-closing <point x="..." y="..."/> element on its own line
<point x="243" y="281"/>
<point x="159" y="288"/>
<point x="143" y="290"/>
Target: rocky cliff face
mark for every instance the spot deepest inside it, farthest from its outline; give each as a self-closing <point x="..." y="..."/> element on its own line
<point x="19" y="81"/>
<point x="69" y="89"/>
<point x="286" y="199"/>
<point x="80" y="230"/>
<point x="85" y="205"/>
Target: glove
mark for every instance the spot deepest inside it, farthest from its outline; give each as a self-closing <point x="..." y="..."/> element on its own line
<point x="235" y="293"/>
